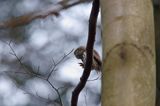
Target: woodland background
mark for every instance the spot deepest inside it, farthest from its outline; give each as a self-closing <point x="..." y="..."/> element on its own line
<point x="39" y="42"/>
<point x="42" y="36"/>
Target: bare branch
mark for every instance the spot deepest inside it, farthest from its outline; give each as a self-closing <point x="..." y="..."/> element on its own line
<point x="39" y="76"/>
<point x="55" y="64"/>
<point x="47" y="100"/>
<point x="26" y="68"/>
<point x="51" y="10"/>
<point x="89" y="50"/>
<point x="57" y="91"/>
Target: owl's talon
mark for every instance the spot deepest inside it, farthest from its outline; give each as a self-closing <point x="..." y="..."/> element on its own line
<point x="81" y="64"/>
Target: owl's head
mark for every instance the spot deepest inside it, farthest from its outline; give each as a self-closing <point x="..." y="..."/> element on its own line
<point x="79" y="52"/>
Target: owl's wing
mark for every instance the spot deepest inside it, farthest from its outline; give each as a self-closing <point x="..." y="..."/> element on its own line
<point x="97" y="57"/>
<point x="84" y="57"/>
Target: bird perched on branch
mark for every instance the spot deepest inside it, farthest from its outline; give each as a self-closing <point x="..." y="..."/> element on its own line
<point x="80" y="53"/>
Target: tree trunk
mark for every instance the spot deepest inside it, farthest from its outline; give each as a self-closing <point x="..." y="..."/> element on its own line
<point x="128" y="53"/>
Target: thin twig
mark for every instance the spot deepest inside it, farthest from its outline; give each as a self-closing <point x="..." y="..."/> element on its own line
<point x="89" y="50"/>
<point x="55" y="64"/>
<point x="23" y="65"/>
<point x="36" y="74"/>
<point x="57" y="91"/>
<point x="47" y="100"/>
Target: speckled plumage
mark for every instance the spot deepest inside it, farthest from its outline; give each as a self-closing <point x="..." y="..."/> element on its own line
<point x="80" y="53"/>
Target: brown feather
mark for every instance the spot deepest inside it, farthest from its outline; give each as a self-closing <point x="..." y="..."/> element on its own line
<point x="80" y="53"/>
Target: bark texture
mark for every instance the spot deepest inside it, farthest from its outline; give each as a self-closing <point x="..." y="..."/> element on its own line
<point x="128" y="53"/>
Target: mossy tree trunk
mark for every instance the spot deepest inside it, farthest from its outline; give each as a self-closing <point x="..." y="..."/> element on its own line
<point x="128" y="53"/>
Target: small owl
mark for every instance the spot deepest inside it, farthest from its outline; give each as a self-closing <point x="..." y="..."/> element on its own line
<point x="80" y="53"/>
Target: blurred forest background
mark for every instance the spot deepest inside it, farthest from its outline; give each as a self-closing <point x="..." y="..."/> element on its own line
<point x="41" y="33"/>
<point x="37" y="34"/>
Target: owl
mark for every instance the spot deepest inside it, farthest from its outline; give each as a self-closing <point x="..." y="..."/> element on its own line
<point x="80" y="53"/>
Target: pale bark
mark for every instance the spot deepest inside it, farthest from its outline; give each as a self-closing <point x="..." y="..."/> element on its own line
<point x="128" y="53"/>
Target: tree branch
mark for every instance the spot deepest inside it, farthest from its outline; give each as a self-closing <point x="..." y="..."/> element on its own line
<point x="51" y="10"/>
<point x="37" y="74"/>
<point x="89" y="49"/>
